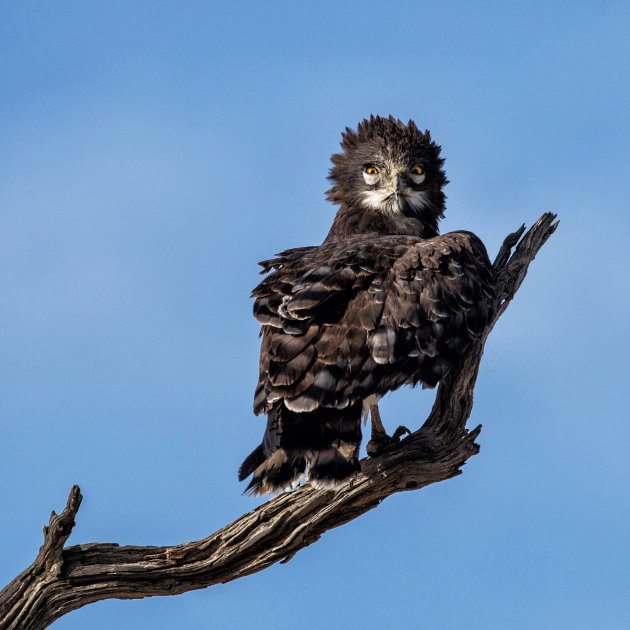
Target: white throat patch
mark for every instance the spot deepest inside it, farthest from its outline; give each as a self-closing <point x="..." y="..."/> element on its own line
<point x="388" y="202"/>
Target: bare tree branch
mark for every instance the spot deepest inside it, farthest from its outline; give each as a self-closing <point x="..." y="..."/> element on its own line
<point x="64" y="579"/>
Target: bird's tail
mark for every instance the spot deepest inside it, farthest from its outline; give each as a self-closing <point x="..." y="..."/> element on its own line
<point x="337" y="458"/>
<point x="325" y="440"/>
<point x="282" y="470"/>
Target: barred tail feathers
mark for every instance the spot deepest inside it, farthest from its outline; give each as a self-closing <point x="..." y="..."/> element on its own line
<point x="252" y="461"/>
<point x="324" y="440"/>
<point x="332" y="467"/>
<point x="280" y="471"/>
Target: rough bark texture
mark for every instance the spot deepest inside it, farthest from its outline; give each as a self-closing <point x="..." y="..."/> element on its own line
<point x="65" y="578"/>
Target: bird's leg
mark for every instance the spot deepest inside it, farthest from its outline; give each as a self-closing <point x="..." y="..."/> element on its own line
<point x="378" y="430"/>
<point x="380" y="440"/>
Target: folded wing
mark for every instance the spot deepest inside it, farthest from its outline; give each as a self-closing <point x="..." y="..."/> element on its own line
<point x="367" y="314"/>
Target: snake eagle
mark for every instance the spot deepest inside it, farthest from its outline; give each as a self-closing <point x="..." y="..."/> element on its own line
<point x="384" y="301"/>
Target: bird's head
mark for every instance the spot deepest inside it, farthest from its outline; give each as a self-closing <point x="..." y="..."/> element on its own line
<point x="389" y="167"/>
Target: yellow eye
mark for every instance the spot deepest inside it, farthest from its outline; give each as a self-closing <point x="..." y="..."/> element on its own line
<point x="417" y="170"/>
<point x="371" y="170"/>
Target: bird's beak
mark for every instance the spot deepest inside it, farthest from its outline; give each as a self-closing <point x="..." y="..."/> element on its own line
<point x="397" y="183"/>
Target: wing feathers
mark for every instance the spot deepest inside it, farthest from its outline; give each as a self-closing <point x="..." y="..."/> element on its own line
<point x="382" y="343"/>
<point x="284" y="374"/>
<point x="350" y="319"/>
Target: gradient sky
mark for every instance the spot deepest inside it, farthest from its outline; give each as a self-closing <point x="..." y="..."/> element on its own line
<point x="152" y="152"/>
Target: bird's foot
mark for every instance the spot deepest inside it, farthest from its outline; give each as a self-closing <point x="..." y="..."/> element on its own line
<point x="380" y="440"/>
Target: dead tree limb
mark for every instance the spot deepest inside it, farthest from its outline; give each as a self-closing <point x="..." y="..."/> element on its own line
<point x="66" y="578"/>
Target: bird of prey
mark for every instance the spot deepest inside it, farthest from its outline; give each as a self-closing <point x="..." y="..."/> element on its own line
<point x="384" y="301"/>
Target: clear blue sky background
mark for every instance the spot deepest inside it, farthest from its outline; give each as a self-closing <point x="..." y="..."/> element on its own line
<point x="152" y="152"/>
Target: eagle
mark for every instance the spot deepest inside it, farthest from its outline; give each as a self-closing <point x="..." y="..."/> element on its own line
<point x="384" y="301"/>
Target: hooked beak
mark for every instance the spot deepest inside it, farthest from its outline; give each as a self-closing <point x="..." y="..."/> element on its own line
<point x="397" y="183"/>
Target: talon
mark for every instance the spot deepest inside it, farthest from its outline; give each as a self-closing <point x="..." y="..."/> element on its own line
<point x="380" y="440"/>
<point x="399" y="432"/>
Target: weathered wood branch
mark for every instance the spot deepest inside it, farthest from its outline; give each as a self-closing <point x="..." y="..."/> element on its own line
<point x="63" y="579"/>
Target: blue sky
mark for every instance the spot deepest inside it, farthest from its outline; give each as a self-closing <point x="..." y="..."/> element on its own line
<point x="152" y="152"/>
